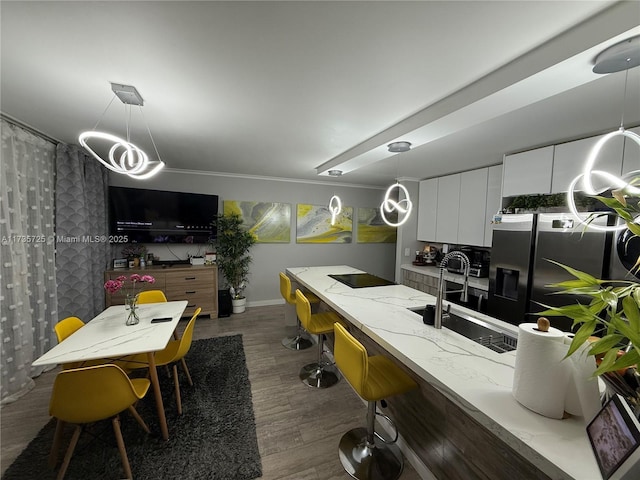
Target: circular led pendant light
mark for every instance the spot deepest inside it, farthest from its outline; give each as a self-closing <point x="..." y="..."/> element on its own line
<point x="124" y="157"/>
<point x="402" y="207"/>
<point x="619" y="57"/>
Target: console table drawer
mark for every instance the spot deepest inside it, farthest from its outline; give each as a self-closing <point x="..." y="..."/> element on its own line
<point x="197" y="277"/>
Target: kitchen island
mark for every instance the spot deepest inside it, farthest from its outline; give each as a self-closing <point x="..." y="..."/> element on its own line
<point x="463" y="422"/>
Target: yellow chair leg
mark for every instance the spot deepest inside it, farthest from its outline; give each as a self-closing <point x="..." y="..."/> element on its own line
<point x="57" y="440"/>
<point x="123" y="451"/>
<point x="139" y="419"/>
<point x="186" y="371"/>
<point x="69" y="454"/>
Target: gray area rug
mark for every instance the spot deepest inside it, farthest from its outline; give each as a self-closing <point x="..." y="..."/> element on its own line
<point x="214" y="438"/>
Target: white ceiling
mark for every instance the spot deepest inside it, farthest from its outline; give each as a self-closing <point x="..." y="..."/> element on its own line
<point x="280" y="88"/>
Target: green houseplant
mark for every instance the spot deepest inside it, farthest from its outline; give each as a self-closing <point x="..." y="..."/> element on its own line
<point x="232" y="245"/>
<point x="613" y="313"/>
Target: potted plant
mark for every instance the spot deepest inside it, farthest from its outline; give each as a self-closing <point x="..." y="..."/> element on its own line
<point x="611" y="321"/>
<point x="232" y="245"/>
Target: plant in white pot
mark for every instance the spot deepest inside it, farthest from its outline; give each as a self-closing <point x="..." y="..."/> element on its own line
<point x="232" y="244"/>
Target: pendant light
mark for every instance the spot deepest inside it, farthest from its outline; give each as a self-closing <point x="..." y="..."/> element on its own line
<point x="335" y="204"/>
<point x="123" y="156"/>
<point x="619" y="57"/>
<point x="396" y="203"/>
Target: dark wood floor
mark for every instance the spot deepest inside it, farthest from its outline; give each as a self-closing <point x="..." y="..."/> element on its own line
<point x="298" y="427"/>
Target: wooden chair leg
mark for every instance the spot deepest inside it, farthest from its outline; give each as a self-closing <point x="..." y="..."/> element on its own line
<point x="123" y="451"/>
<point x="186" y="371"/>
<point x="57" y="440"/>
<point x="139" y="419"/>
<point x="69" y="454"/>
<point x="176" y="384"/>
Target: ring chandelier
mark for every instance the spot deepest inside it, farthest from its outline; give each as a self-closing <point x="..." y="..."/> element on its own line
<point x="335" y="207"/>
<point x="123" y="156"/>
<point x="402" y="207"/>
<point x="619" y="57"/>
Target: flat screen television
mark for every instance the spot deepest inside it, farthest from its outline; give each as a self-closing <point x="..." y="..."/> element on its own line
<point x="156" y="216"/>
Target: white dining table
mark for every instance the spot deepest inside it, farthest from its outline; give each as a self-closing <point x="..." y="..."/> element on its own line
<point x="108" y="337"/>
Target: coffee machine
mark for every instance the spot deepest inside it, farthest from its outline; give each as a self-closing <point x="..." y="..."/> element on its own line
<point x="426" y="257"/>
<point x="479" y="260"/>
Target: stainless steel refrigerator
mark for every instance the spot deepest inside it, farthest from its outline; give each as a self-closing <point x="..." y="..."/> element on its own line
<point x="520" y="272"/>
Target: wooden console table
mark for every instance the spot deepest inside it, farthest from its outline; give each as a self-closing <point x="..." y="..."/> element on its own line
<point x="198" y="284"/>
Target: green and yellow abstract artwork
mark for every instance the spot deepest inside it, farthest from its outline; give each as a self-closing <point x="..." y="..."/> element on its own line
<point x="372" y="229"/>
<point x="269" y="222"/>
<point x="314" y="225"/>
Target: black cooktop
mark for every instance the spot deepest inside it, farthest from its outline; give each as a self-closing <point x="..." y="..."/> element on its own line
<point x="361" y="280"/>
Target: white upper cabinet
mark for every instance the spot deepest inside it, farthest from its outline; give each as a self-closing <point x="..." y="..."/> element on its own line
<point x="494" y="201"/>
<point x="448" y="208"/>
<point x="570" y="158"/>
<point x="631" y="157"/>
<point x="427" y="207"/>
<point x="473" y="202"/>
<point x="528" y="173"/>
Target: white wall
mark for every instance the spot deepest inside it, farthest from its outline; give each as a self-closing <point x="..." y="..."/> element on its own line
<point x="269" y="259"/>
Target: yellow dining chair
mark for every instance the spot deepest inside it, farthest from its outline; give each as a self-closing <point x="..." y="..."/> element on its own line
<point x="300" y="341"/>
<point x="85" y="395"/>
<point x="67" y="326"/>
<point x="63" y="329"/>
<point x="151" y="296"/>
<point x="364" y="454"/>
<point x="154" y="296"/>
<point x="320" y="374"/>
<point x="173" y="353"/>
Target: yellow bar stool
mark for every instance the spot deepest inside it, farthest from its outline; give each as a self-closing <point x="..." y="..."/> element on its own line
<point x="364" y="454"/>
<point x="318" y="374"/>
<point x="300" y="341"/>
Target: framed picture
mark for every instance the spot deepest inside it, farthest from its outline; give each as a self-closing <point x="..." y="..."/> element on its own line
<point x="373" y="229"/>
<point x="614" y="434"/>
<point x="270" y="222"/>
<point x="313" y="225"/>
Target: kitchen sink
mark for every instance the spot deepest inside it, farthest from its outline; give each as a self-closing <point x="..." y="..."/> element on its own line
<point x="478" y="331"/>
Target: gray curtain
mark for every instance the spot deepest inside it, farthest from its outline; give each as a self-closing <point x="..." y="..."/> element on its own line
<point x="82" y="250"/>
<point x="28" y="301"/>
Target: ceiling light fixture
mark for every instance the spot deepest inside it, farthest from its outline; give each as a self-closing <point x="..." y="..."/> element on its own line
<point x="335" y="204"/>
<point x="335" y="207"/>
<point x="402" y="207"/>
<point x="396" y="204"/>
<point x="123" y="156"/>
<point x="399" y="147"/>
<point x="621" y="56"/>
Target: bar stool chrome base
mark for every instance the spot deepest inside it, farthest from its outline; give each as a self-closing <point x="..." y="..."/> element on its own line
<point x="299" y="342"/>
<point x="364" y="461"/>
<point x="319" y="376"/>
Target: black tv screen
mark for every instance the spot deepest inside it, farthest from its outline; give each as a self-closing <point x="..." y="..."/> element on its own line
<point x="156" y="216"/>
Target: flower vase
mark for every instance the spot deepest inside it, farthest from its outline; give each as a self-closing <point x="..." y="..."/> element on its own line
<point x="131" y="305"/>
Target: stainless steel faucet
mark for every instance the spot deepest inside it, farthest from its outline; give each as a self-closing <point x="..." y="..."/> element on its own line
<point x="441" y="289"/>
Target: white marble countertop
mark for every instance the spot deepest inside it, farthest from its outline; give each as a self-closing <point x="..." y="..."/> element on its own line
<point x="476" y="378"/>
<point x="475" y="282"/>
<point x="107" y="336"/>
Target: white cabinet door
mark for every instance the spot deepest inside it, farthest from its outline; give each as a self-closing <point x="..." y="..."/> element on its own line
<point x="473" y="204"/>
<point x="528" y="173"/>
<point x="448" y="209"/>
<point x="427" y="207"/>
<point x="494" y="201"/>
<point x="570" y="158"/>
<point x="631" y="157"/>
